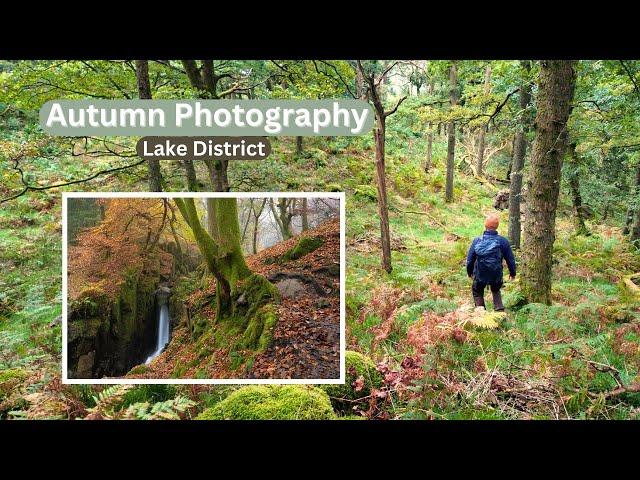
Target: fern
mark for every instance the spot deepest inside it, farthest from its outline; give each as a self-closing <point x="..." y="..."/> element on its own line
<point x="107" y="401"/>
<point x="167" y="410"/>
<point x="488" y="320"/>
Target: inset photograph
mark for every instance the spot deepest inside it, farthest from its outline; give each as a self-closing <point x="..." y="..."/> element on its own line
<point x="203" y="288"/>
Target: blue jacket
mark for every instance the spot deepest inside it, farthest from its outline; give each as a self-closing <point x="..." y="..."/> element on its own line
<point x="507" y="255"/>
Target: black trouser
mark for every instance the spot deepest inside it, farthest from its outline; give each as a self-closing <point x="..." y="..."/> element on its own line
<point x="477" y="290"/>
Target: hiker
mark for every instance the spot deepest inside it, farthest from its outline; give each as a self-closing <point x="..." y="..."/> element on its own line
<point x="484" y="263"/>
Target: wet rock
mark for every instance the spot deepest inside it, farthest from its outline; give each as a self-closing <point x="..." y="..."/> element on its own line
<point x="322" y="303"/>
<point x="85" y="365"/>
<point x="290" y="288"/>
<point x="164" y="291"/>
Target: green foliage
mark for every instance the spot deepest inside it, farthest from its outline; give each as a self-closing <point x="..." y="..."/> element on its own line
<point x="365" y="192"/>
<point x="272" y="402"/>
<point x="167" y="410"/>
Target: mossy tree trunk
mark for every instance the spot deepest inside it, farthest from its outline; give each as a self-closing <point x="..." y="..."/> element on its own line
<point x="429" y="159"/>
<point x="305" y="214"/>
<point x="451" y="133"/>
<point x="483" y="128"/>
<point x="144" y="93"/>
<point x="555" y="93"/>
<point x="283" y="215"/>
<point x="298" y="146"/>
<point x="633" y="227"/>
<point x="220" y="246"/>
<point x="576" y="196"/>
<point x="517" y="162"/>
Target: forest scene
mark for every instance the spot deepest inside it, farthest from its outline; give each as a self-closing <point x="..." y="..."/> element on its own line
<point x="175" y="288"/>
<point x="545" y="152"/>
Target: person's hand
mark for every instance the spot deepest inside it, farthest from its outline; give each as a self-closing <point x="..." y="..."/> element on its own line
<point x="512" y="277"/>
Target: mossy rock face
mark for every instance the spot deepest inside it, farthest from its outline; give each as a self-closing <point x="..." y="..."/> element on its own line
<point x="356" y="365"/>
<point x="272" y="402"/>
<point x="304" y="246"/>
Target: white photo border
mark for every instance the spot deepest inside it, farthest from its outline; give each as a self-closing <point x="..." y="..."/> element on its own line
<point x="204" y="381"/>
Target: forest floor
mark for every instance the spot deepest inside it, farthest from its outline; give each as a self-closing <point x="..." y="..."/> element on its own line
<point x="306" y="338"/>
<point x="578" y="358"/>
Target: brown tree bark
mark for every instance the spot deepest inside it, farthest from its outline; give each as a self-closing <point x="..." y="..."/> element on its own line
<point x="556" y="86"/>
<point x="517" y="161"/>
<point x="381" y="184"/>
<point x="256" y="223"/>
<point x="190" y="175"/>
<point x="483" y="129"/>
<point x="205" y="81"/>
<point x="451" y="133"/>
<point x="429" y="159"/>
<point x="305" y="214"/>
<point x="635" y="229"/>
<point x="576" y="196"/>
<point x="144" y="93"/>
<point x="373" y="86"/>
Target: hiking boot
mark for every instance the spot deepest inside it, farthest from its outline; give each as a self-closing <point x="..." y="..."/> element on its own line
<point x="497" y="301"/>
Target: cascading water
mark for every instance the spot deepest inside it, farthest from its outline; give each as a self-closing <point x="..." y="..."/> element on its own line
<point x="163" y="331"/>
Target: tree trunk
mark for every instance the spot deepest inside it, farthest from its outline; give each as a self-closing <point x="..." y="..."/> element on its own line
<point x="427" y="163"/>
<point x="144" y="93"/>
<point x="205" y="81"/>
<point x="451" y="131"/>
<point x="517" y="163"/>
<point x="381" y="183"/>
<point x="224" y="258"/>
<point x="483" y="129"/>
<point x="555" y="93"/>
<point x="305" y="214"/>
<point x="513" y="152"/>
<point x="576" y="196"/>
<point x="635" y="229"/>
<point x="256" y="224"/>
<point x="254" y="243"/>
<point x="190" y="174"/>
<point x="282" y="217"/>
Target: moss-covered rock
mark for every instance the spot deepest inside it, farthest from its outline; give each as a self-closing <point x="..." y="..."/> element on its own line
<point x="272" y="402"/>
<point x="304" y="246"/>
<point x="357" y="366"/>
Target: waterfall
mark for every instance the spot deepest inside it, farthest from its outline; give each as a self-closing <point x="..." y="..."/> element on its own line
<point x="163" y="332"/>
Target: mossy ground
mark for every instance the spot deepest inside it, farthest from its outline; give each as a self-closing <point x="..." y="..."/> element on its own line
<point x="272" y="402"/>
